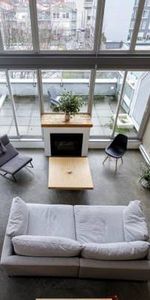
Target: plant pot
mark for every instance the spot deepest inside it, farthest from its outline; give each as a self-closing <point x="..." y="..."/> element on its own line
<point x="67" y="117"/>
<point x="145" y="183"/>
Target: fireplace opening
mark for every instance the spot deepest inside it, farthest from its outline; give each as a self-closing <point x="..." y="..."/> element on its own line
<point x="67" y="144"/>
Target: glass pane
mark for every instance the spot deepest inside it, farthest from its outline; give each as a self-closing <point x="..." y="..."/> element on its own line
<point x="107" y="87"/>
<point x="117" y="24"/>
<point x="15" y="25"/>
<point x="134" y="101"/>
<point x="24" y="88"/>
<point x="66" y="25"/>
<point x="7" y="125"/>
<point x="143" y="39"/>
<point x="55" y="82"/>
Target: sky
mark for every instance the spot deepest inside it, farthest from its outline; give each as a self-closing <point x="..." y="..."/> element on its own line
<point x="117" y="19"/>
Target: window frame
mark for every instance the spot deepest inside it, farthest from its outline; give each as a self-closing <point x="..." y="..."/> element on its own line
<point x="97" y="34"/>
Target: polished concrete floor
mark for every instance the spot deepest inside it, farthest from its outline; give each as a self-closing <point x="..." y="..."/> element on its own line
<point x="108" y="189"/>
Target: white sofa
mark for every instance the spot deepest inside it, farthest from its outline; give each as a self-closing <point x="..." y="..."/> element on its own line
<point x="76" y="241"/>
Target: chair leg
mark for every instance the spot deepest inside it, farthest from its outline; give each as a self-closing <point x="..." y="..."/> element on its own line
<point x="122" y="160"/>
<point x="116" y="165"/>
<point x="13" y="176"/>
<point x="29" y="165"/>
<point x="105" y="159"/>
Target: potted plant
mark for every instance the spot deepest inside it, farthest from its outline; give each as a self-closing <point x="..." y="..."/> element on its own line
<point x="70" y="104"/>
<point x="145" y="177"/>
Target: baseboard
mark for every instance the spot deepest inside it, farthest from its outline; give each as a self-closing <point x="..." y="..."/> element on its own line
<point x="93" y="143"/>
<point x="102" y="144"/>
<point x="28" y="144"/>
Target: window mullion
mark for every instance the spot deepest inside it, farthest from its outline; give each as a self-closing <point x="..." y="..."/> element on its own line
<point x="1" y="42"/>
<point x="40" y="91"/>
<point x="137" y="24"/>
<point x="119" y="102"/>
<point x="99" y="25"/>
<point x="34" y="25"/>
<point x="12" y="101"/>
<point x="91" y="91"/>
<point x="145" y="119"/>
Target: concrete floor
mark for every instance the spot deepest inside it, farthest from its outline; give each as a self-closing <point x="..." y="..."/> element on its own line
<point x="28" y="117"/>
<point x="109" y="189"/>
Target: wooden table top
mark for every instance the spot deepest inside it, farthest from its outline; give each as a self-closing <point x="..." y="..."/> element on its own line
<point x="58" y="120"/>
<point x="114" y="298"/>
<point x="69" y="173"/>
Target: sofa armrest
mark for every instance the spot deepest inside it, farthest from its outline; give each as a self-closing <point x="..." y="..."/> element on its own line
<point x="7" y="249"/>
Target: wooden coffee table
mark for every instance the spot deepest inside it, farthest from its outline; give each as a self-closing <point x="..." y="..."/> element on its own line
<point x="112" y="298"/>
<point x="69" y="173"/>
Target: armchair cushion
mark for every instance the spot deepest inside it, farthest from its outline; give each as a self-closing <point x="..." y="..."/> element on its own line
<point x="15" y="164"/>
<point x="2" y="147"/>
<point x="10" y="152"/>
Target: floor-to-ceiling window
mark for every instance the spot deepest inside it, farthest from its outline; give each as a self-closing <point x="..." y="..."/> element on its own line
<point x="56" y="82"/>
<point x="7" y="109"/>
<point x="15" y="25"/>
<point x="48" y="47"/>
<point x="106" y="93"/>
<point x="25" y="94"/>
<point x="133" y="104"/>
<point x="66" y="25"/>
<point x="118" y="14"/>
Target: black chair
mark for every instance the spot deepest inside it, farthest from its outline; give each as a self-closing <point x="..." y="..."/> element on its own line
<point x="11" y="161"/>
<point x="117" y="148"/>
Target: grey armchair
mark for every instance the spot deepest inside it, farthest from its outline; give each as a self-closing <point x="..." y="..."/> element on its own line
<point x="53" y="97"/>
<point x="11" y="161"/>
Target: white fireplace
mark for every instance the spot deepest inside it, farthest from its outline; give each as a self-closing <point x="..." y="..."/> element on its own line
<point x="66" y="138"/>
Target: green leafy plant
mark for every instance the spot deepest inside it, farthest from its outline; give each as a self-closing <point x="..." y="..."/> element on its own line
<point x="69" y="103"/>
<point x="146" y="173"/>
<point x="145" y="176"/>
<point x="117" y="129"/>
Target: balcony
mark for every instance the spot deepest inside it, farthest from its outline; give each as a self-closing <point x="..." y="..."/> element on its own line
<point x="28" y="111"/>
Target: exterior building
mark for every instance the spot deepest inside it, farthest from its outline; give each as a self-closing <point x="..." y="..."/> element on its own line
<point x="63" y="20"/>
<point x="89" y="19"/>
<point x="144" y="31"/>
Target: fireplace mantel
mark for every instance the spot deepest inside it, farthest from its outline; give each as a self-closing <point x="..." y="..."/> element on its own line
<point x="55" y="124"/>
<point x="58" y="120"/>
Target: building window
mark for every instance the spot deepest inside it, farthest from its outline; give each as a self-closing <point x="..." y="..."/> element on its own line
<point x="142" y="41"/>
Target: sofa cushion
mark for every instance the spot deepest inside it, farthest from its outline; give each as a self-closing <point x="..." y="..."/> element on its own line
<point x="29" y="245"/>
<point x="135" y="227"/>
<point x="116" y="251"/>
<point x="51" y="220"/>
<point x="18" y="218"/>
<point x="99" y="224"/>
